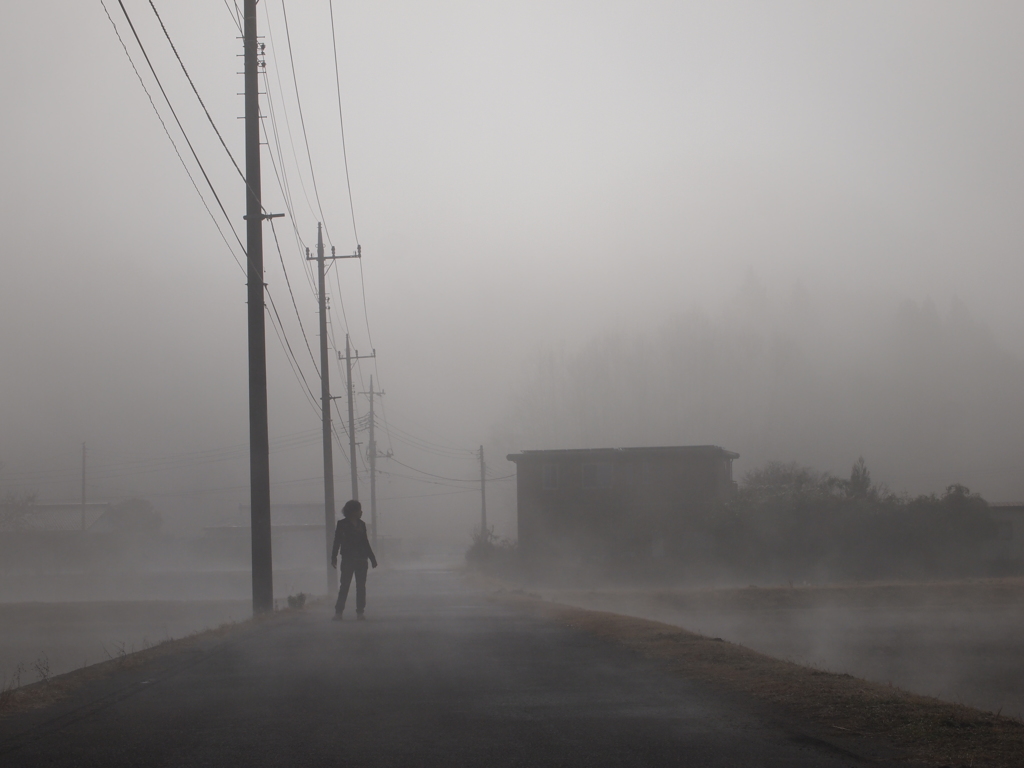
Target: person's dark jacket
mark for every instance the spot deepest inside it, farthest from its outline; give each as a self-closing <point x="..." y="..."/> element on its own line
<point x="351" y="542"/>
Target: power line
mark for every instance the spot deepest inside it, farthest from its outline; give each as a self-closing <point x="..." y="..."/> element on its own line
<point x="282" y="180"/>
<point x="290" y="357"/>
<point x="366" y="316"/>
<point x="427" y="495"/>
<point x="430" y="446"/>
<point x="176" y="120"/>
<point x="309" y="158"/>
<point x="228" y="489"/>
<point x="341" y="301"/>
<point x="279" y="326"/>
<point x="234" y="16"/>
<point x="344" y="151"/>
<point x="424" y="449"/>
<point x="422" y="480"/>
<point x="175" y="146"/>
<point x="290" y="293"/>
<point x="162" y="463"/>
<point x="196" y="92"/>
<point x="441" y="446"/>
<point x="283" y="334"/>
<point x="286" y="194"/>
<point x="351" y="202"/>
<point x="431" y="474"/>
<point x="280" y="88"/>
<point x="288" y="207"/>
<point x="302" y="120"/>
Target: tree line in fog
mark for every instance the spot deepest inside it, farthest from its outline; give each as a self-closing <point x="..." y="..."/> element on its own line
<point x="788" y="522"/>
<point x="925" y="393"/>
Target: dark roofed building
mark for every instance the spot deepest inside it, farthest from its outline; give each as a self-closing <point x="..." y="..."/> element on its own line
<point x="1009" y="519"/>
<point x="614" y="502"/>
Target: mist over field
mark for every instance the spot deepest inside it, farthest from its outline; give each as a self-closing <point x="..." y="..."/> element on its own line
<point x="789" y="230"/>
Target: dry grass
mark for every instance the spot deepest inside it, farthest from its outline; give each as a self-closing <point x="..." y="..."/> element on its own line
<point x="995" y="593"/>
<point x="918" y="728"/>
<point x="52" y="689"/>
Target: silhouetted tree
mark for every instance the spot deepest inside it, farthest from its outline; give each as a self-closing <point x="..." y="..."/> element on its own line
<point x="860" y="480"/>
<point x="14" y="511"/>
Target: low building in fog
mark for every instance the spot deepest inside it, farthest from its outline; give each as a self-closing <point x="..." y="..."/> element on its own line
<point x="1008" y="546"/>
<point x="615" y="503"/>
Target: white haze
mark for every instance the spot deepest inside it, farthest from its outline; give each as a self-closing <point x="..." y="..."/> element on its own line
<point x="924" y="393"/>
<point x="530" y="179"/>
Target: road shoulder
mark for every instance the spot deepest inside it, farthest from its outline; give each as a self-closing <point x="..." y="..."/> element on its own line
<point x="857" y="716"/>
<point x="92" y="682"/>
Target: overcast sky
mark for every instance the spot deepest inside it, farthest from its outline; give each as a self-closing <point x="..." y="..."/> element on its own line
<point x="525" y="175"/>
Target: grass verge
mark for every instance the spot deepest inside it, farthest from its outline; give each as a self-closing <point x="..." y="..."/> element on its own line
<point x="53" y="689"/>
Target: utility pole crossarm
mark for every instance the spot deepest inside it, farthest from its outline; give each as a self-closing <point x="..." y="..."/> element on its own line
<point x="357" y="255"/>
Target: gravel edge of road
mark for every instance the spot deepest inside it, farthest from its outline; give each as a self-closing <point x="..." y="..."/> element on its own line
<point x="853" y="712"/>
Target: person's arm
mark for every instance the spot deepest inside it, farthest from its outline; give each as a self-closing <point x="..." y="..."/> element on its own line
<point x="336" y="545"/>
<point x="369" y="550"/>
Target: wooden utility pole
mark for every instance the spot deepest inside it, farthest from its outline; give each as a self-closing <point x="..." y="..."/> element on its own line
<point x="325" y="399"/>
<point x="259" y="441"/>
<point x="349" y="357"/>
<point x="373" y="465"/>
<point x="325" y="408"/>
<point x="351" y="419"/>
<point x="83" y="486"/>
<point x="483" y="494"/>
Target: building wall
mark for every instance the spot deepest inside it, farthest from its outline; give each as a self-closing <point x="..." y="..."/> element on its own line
<point x="1009" y="543"/>
<point x="645" y="501"/>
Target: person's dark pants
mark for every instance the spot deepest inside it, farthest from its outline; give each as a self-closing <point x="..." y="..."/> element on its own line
<point x="348" y="568"/>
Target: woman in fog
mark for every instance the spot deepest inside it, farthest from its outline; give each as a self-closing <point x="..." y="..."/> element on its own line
<point x="350" y="540"/>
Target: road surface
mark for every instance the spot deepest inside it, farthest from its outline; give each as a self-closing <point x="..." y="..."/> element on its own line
<point x="439" y="675"/>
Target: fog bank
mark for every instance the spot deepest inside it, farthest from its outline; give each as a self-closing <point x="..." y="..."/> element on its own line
<point x="922" y="390"/>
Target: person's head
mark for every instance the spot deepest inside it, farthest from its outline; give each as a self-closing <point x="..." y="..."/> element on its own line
<point x="352" y="509"/>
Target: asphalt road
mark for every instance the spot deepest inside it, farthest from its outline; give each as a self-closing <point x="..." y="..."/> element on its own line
<point x="437" y="676"/>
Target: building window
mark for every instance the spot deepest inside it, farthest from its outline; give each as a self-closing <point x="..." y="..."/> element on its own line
<point x="597" y="475"/>
<point x="549" y="477"/>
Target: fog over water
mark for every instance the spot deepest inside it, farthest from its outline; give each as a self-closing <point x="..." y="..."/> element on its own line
<point x="792" y="230"/>
<point x="954" y="641"/>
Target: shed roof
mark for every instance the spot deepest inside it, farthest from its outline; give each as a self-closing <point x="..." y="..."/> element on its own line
<point x="673" y="451"/>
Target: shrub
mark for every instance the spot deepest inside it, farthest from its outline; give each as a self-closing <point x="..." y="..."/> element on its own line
<point x="489" y="552"/>
<point x="15" y="510"/>
<point x="792" y="522"/>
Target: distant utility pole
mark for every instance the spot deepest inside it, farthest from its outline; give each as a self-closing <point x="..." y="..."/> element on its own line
<point x="259" y="441"/>
<point x="325" y="399"/>
<point x="349" y="357"/>
<point x="483" y="494"/>
<point x="373" y="465"/>
<point x="83" y="486"/>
